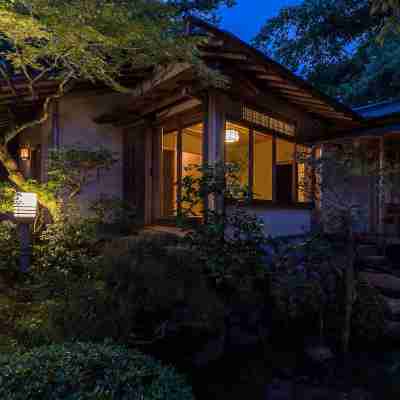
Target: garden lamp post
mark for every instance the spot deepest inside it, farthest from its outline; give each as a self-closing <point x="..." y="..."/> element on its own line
<point x="25" y="208"/>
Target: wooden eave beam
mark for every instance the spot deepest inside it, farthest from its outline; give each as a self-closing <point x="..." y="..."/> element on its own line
<point x="273" y="66"/>
<point x="162" y="75"/>
<point x="224" y="55"/>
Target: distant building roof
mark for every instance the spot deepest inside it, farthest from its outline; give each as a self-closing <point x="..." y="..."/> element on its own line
<point x="379" y="110"/>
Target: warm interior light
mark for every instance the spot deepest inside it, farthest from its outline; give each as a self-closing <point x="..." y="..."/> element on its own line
<point x="231" y="136"/>
<point x="25" y="153"/>
<point x="25" y="207"/>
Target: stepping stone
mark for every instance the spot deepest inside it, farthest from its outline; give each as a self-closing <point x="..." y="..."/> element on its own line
<point x="387" y="284"/>
<point x="393" y="307"/>
<point x="377" y="260"/>
<point x="366" y="250"/>
<point x="392" y="330"/>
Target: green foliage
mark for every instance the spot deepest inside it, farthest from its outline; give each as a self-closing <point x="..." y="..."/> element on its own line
<point x="7" y="193"/>
<point x="73" y="168"/>
<point x="114" y="215"/>
<point x="334" y="45"/>
<point x="229" y="242"/>
<point x="9" y="248"/>
<point x="368" y="321"/>
<point x="304" y="282"/>
<point x="137" y="294"/>
<point x="68" y="246"/>
<point x="88" y="371"/>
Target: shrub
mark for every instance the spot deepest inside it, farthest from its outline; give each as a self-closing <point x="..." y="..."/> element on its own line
<point x="68" y="246"/>
<point x="139" y="295"/>
<point x="88" y="371"/>
<point x="9" y="248"/>
<point x="114" y="216"/>
<point x="230" y="241"/>
<point x="368" y="320"/>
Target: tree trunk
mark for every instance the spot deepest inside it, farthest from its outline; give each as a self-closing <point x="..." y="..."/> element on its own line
<point x="15" y="176"/>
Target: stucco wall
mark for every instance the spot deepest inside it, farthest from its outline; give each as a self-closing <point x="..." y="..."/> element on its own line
<point x="76" y="115"/>
<point x="283" y="221"/>
<point x="78" y="128"/>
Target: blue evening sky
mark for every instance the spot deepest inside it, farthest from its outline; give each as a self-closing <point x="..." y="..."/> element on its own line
<point x="248" y="16"/>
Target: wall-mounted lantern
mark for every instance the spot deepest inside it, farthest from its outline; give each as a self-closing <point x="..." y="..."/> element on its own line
<point x="25" y="153"/>
<point x="25" y="209"/>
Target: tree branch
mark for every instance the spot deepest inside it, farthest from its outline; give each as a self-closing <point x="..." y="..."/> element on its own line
<point x="45" y="111"/>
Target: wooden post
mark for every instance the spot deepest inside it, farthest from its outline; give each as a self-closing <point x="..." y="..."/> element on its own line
<point x="156" y="171"/>
<point x="215" y="136"/>
<point x="216" y="128"/>
<point x="148" y="160"/>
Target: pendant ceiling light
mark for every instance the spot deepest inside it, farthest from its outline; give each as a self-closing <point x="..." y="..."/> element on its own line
<point x="231" y="136"/>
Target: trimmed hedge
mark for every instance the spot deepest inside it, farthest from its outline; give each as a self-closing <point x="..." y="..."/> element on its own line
<point x="88" y="371"/>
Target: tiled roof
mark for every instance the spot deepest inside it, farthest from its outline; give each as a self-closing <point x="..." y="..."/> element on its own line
<point x="379" y="110"/>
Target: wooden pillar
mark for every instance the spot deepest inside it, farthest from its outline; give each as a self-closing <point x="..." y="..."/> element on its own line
<point x="214" y="136"/>
<point x="156" y="172"/>
<point x="148" y="167"/>
<point x="215" y="133"/>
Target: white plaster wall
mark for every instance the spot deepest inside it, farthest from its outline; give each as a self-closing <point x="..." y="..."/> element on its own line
<point x="78" y="128"/>
<point x="283" y="221"/>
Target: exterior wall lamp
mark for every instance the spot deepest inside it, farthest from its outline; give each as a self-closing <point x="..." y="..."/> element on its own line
<point x="25" y="210"/>
<point x="25" y="153"/>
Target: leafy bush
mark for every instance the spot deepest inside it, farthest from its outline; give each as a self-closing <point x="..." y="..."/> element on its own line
<point x="139" y="295"/>
<point x="368" y="320"/>
<point x="230" y="241"/>
<point x="88" y="371"/>
<point x="114" y="215"/>
<point x="9" y="248"/>
<point x="67" y="246"/>
<point x="304" y="284"/>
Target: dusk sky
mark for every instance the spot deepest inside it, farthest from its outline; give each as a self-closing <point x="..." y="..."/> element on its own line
<point x="247" y="17"/>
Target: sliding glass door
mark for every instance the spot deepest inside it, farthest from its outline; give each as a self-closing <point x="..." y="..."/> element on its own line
<point x="181" y="151"/>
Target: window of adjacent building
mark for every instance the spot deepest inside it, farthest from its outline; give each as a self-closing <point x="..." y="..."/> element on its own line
<point x="304" y="174"/>
<point x="268" y="163"/>
<point x="285" y="164"/>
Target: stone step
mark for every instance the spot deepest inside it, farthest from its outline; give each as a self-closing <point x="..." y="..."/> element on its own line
<point x="393" y="306"/>
<point x="387" y="284"/>
<point x="375" y="261"/>
<point x="366" y="250"/>
<point x="392" y="330"/>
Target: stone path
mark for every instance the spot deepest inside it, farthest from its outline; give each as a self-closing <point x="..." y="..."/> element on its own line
<point x="378" y="272"/>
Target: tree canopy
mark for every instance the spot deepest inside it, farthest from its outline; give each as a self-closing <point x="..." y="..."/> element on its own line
<point x="68" y="41"/>
<point x="346" y="48"/>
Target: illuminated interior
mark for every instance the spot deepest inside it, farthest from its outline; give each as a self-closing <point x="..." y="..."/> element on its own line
<point x="256" y="164"/>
